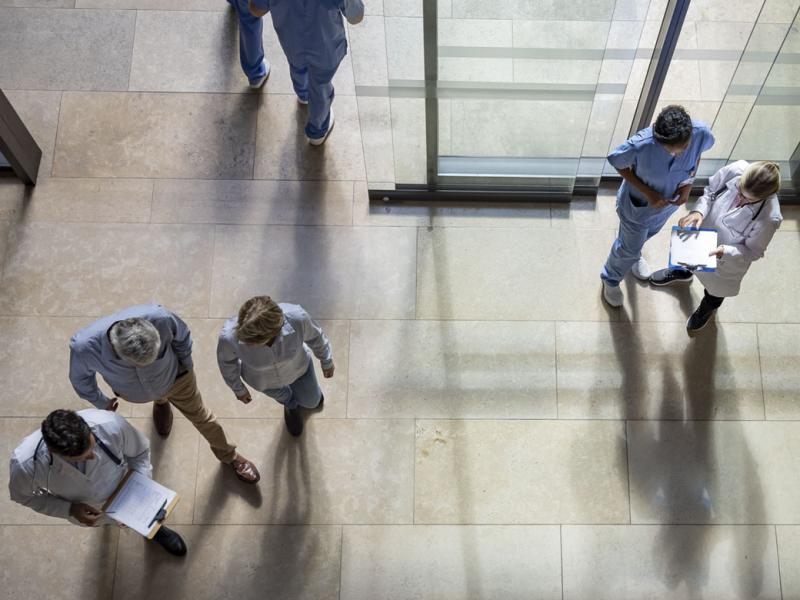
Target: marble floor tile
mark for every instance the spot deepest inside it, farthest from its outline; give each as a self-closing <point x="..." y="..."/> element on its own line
<point x="778" y="350"/>
<point x="408" y="139"/>
<point x="789" y="554"/>
<point x="100" y="268"/>
<point x="187" y="51"/>
<point x="502" y="127"/>
<point x="174" y="460"/>
<point x="282" y="151"/>
<point x="154" y="4"/>
<point x="477" y="471"/>
<point x="253" y="202"/>
<point x="221" y="400"/>
<point x="34" y="365"/>
<point x="596" y="213"/>
<point x="269" y="260"/>
<point x="406" y="562"/>
<point x="39" y="112"/>
<point x="234" y="562"/>
<point x="65" y="561"/>
<point x="85" y="200"/>
<point x="446" y="214"/>
<point x="338" y="471"/>
<point x="670" y="563"/>
<point x="405" y="48"/>
<point x="375" y="120"/>
<point x="39" y="3"/>
<point x="655" y="371"/>
<point x="770" y="286"/>
<point x="463" y="272"/>
<point x="714" y="472"/>
<point x="205" y="136"/>
<point x="441" y="369"/>
<point x="55" y="49"/>
<point x="368" y="52"/>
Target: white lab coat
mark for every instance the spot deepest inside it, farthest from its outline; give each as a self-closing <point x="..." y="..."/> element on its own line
<point x="743" y="236"/>
<point x="66" y="484"/>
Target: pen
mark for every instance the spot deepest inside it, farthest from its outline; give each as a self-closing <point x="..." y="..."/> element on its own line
<point x="158" y="512"/>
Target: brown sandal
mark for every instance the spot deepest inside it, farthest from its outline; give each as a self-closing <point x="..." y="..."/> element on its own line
<point x="245" y="470"/>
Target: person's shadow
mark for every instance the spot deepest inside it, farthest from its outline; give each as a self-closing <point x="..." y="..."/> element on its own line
<point x="684" y="492"/>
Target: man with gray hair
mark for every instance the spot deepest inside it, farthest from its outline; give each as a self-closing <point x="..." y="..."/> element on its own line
<point x="145" y="354"/>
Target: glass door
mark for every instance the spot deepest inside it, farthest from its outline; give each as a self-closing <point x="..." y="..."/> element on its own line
<point x="527" y="97"/>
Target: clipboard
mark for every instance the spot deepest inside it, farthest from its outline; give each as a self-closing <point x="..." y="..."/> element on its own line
<point x="141" y="504"/>
<point x="693" y="254"/>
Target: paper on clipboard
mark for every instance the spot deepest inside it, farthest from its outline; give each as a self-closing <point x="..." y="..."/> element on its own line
<point x="693" y="251"/>
<point x="138" y="500"/>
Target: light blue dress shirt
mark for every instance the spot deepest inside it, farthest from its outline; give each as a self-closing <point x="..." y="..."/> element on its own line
<point x="312" y="32"/>
<point x="268" y="367"/>
<point x="655" y="166"/>
<point x="91" y="353"/>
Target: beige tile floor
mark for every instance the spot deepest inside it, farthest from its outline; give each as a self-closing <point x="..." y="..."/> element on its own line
<point x="492" y="431"/>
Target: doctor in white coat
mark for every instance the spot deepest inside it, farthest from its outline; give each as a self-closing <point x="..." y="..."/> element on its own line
<point x="72" y="465"/>
<point x="741" y="203"/>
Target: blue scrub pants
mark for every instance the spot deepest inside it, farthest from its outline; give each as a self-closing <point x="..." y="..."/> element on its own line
<point x="303" y="392"/>
<point x="251" y="47"/>
<point x="636" y="226"/>
<point x="314" y="85"/>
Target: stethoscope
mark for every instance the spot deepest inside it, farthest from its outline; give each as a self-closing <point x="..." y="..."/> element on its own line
<point x="45" y="491"/>
<point x="758" y="212"/>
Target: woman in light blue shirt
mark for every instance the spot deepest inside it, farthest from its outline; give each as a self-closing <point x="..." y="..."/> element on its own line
<point x="269" y="346"/>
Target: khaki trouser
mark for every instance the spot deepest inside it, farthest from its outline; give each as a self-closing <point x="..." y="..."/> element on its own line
<point x="185" y="396"/>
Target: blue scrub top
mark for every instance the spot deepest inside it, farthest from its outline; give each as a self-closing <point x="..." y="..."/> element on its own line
<point x="312" y="32"/>
<point x="654" y="165"/>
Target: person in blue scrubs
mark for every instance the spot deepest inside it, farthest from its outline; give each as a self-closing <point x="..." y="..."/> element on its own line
<point x="657" y="165"/>
<point x="312" y="35"/>
<point x="251" y="46"/>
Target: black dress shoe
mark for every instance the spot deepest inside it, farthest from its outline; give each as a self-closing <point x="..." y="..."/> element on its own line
<point x="670" y="276"/>
<point x="162" y="417"/>
<point x="170" y="541"/>
<point x="294" y="422"/>
<point x="698" y="320"/>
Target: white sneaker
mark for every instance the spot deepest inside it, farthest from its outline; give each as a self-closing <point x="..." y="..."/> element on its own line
<point x="301" y="101"/>
<point x="320" y="141"/>
<point x="262" y="80"/>
<point x="641" y="270"/>
<point x="612" y="295"/>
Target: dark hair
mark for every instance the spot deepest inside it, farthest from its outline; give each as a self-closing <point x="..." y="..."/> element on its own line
<point x="673" y="125"/>
<point x="66" y="433"/>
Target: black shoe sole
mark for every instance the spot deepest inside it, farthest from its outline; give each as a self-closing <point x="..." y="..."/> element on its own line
<point x="298" y="431"/>
<point x="703" y="326"/>
<point x="672" y="282"/>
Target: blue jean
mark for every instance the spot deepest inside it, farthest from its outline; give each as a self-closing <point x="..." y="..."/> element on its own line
<point x="251" y="46"/>
<point x="304" y="391"/>
<point x="314" y="85"/>
<point x="636" y="226"/>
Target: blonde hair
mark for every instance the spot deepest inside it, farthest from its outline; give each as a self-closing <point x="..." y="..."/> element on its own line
<point x="762" y="179"/>
<point x="260" y="320"/>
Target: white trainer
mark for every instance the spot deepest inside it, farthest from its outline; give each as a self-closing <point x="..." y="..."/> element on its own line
<point x="612" y="295"/>
<point x="320" y="141"/>
<point x="257" y="84"/>
<point x="301" y="101"/>
<point x="641" y="270"/>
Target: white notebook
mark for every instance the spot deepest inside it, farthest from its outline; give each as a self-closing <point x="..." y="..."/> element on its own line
<point x="137" y="502"/>
<point x="690" y="249"/>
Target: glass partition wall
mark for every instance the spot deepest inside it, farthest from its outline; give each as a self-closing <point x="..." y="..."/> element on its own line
<point x="526" y="97"/>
